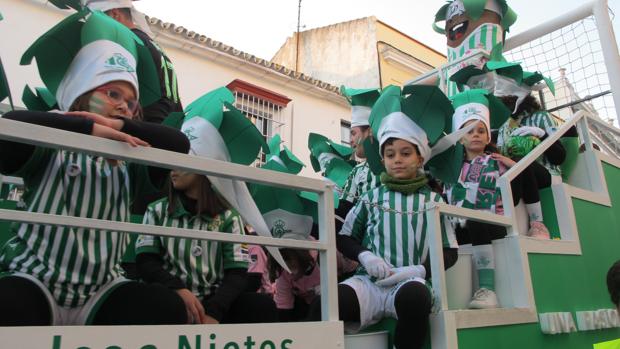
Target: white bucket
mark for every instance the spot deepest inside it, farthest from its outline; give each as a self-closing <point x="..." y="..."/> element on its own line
<point x="459" y="281"/>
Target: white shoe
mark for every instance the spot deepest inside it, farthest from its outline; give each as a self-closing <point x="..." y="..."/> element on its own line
<point x="484" y="299"/>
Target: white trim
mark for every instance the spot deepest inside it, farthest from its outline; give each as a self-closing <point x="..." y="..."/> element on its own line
<point x="493" y="317"/>
<point x="401" y="60"/>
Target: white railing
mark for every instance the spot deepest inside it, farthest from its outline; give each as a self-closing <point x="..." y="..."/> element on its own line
<point x="59" y="139"/>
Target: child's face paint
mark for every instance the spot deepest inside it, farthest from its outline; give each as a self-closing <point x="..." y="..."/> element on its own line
<point x="476" y="139"/>
<point x="114" y="99"/>
<point x="401" y="159"/>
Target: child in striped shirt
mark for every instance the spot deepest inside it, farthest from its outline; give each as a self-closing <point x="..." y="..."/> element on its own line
<point x="361" y="179"/>
<point x="386" y="231"/>
<point x="71" y="276"/>
<point x="476" y="187"/>
<point x="209" y="276"/>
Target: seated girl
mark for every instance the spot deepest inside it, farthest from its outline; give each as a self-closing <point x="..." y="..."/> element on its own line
<point x="476" y="187"/>
<point x="55" y="275"/>
<point x="210" y="276"/>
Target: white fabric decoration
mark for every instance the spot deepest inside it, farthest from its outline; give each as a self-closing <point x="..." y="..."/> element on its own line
<point x="360" y="115"/>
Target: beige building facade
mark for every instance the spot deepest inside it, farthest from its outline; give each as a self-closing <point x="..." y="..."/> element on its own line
<point x="361" y="53"/>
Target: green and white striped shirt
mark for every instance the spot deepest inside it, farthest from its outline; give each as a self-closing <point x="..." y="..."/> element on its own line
<point x="73" y="263"/>
<point x="360" y="180"/>
<point x="199" y="263"/>
<point x="401" y="237"/>
<point x="540" y="119"/>
<point x="485" y="37"/>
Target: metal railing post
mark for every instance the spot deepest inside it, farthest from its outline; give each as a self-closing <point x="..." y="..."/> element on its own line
<point x="610" y="49"/>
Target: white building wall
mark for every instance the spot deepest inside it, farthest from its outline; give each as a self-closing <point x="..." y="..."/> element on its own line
<point x="198" y="71"/>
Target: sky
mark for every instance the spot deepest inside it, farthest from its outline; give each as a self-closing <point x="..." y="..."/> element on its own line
<point x="261" y="27"/>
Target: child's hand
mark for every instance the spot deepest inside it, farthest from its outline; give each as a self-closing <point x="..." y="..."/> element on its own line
<point x="99" y="119"/>
<point x="110" y="133"/>
<point x="375" y="266"/>
<point x="195" y="311"/>
<point x="508" y="162"/>
<point x="403" y="273"/>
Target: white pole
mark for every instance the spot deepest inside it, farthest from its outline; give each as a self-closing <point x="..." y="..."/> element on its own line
<point x="610" y="50"/>
<point x="327" y="236"/>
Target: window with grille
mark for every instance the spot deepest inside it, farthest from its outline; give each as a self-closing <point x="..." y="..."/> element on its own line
<point x="345" y="132"/>
<point x="263" y="107"/>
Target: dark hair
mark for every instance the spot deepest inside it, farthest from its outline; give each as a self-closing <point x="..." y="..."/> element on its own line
<point x="529" y="104"/>
<point x="125" y="12"/>
<point x="613" y="283"/>
<point x="209" y="201"/>
<point x="390" y="141"/>
<point x="303" y="257"/>
<point x="82" y="104"/>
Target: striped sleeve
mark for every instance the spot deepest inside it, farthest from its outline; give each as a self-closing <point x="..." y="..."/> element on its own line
<point x="355" y="222"/>
<point x="545" y="121"/>
<point x="235" y="255"/>
<point x="448" y="237"/>
<point x="150" y="243"/>
<point x="349" y="189"/>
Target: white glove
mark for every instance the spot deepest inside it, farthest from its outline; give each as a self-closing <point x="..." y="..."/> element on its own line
<point x="403" y="273"/>
<point x="375" y="266"/>
<point x="529" y="131"/>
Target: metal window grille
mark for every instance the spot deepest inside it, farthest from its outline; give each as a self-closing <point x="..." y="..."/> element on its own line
<point x="266" y="115"/>
<point x="345" y="132"/>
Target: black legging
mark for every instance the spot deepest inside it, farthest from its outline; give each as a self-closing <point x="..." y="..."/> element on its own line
<point x="23" y="303"/>
<point x="478" y="233"/>
<point x="250" y="307"/>
<point x="412" y="303"/>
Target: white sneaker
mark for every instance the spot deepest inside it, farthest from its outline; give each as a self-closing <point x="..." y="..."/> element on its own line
<point x="484" y="299"/>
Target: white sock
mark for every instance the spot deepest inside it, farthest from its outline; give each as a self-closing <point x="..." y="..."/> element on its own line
<point x="534" y="211"/>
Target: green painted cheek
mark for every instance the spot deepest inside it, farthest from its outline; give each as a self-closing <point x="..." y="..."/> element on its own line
<point x="97" y="105"/>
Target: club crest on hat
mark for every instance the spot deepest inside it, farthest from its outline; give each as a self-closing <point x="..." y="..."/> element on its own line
<point x="119" y="62"/>
<point x="189" y="133"/>
<point x="279" y="228"/>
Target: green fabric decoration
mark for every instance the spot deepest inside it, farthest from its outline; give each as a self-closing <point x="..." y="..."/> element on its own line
<point x="520" y="146"/>
<point x="41" y="100"/>
<point x="292" y="162"/>
<point x="67" y="4"/>
<point x="373" y="156"/>
<point x="338" y="164"/>
<point x="243" y="140"/>
<point x="405" y="186"/>
<point x="447" y="166"/>
<point x="174" y="120"/>
<point x="360" y="97"/>
<point x="571" y="145"/>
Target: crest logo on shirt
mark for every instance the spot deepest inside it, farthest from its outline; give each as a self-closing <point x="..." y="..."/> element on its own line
<point x="119" y="62"/>
<point x="73" y="169"/>
<point x="196" y="251"/>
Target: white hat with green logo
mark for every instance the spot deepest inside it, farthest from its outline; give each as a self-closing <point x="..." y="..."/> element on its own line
<point x="361" y="101"/>
<point x="478" y="105"/>
<point x="89" y="49"/>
